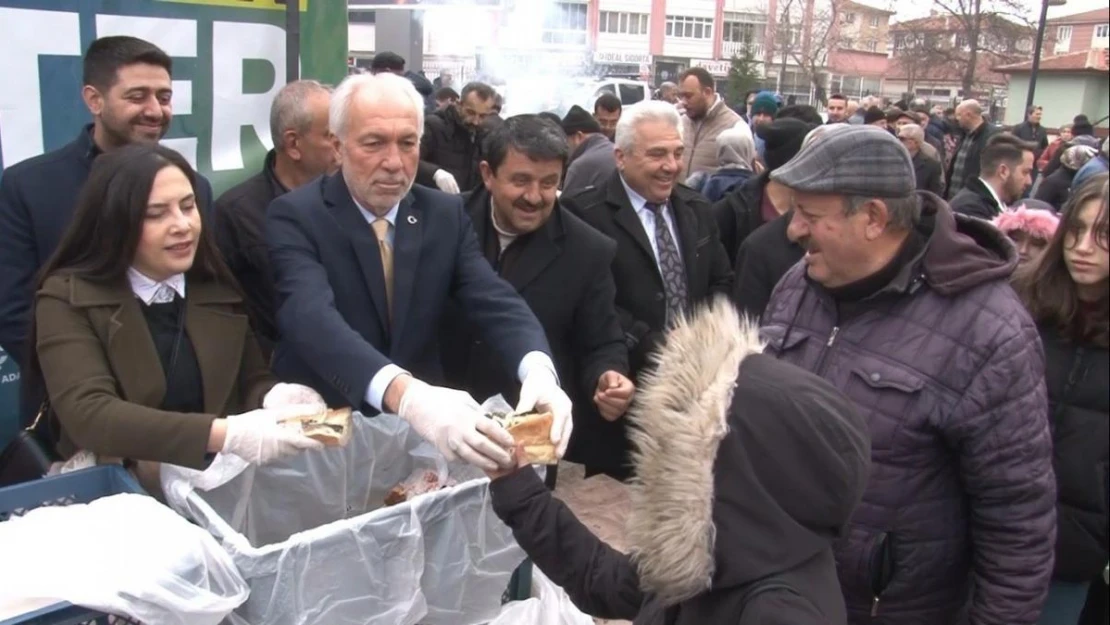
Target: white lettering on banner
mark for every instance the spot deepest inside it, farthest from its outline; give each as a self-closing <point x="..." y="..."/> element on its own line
<point x="21" y="100"/>
<point x="233" y="43"/>
<point x="717" y="68"/>
<point x="22" y="41"/>
<point x="179" y="39"/>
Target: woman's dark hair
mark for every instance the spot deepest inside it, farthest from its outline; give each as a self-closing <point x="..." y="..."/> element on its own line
<point x="100" y="243"/>
<point x="1047" y="288"/>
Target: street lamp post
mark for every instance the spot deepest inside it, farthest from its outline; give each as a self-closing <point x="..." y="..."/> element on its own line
<point x="1037" y="49"/>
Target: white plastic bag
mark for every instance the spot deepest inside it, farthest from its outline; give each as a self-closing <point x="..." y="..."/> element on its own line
<point x="125" y="554"/>
<point x="316" y="547"/>
<point x="549" y="605"/>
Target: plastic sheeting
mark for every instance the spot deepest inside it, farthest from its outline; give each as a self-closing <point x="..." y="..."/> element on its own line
<point x="316" y="548"/>
<point x="123" y="554"/>
<point x="549" y="605"/>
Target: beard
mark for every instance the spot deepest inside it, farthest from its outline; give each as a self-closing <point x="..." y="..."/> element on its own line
<point x="121" y="131"/>
<point x="374" y="198"/>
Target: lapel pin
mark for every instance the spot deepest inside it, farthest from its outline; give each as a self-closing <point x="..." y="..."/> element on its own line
<point x="412" y="219"/>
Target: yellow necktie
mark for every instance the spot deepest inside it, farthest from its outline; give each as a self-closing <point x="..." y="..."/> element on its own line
<point x="381" y="229"/>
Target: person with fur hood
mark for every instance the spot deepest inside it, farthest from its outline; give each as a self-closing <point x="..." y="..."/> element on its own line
<point x="747" y="471"/>
<point x="1030" y="225"/>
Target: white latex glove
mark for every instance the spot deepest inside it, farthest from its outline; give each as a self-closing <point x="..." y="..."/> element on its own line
<point x="540" y="391"/>
<point x="293" y="395"/>
<point x="258" y="438"/>
<point x="446" y="182"/>
<point x="453" y="422"/>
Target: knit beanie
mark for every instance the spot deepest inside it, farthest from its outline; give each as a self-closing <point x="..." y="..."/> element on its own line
<point x="872" y="115"/>
<point x="782" y="139"/>
<point x="765" y="103"/>
<point x="579" y="119"/>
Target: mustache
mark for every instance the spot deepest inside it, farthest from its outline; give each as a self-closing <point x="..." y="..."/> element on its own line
<point x="524" y="204"/>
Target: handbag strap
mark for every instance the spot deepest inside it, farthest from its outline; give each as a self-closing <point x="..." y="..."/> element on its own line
<point x="43" y="409"/>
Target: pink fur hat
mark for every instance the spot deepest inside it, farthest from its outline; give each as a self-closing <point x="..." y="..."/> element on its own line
<point x="1036" y="222"/>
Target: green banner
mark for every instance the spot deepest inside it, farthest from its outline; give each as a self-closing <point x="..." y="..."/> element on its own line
<point x="229" y="61"/>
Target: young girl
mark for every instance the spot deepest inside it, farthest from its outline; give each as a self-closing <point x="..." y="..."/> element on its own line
<point x="1068" y="295"/>
<point x="141" y="338"/>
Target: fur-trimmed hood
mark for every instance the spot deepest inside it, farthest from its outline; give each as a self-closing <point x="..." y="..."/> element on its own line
<point x="746" y="466"/>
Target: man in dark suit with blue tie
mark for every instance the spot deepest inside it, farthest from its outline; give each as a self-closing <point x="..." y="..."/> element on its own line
<point x="364" y="264"/>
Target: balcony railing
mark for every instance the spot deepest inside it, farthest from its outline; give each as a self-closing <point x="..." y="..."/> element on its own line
<point x="736" y="48"/>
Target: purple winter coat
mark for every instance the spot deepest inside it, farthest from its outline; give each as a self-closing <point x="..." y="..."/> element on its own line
<point x="948" y="368"/>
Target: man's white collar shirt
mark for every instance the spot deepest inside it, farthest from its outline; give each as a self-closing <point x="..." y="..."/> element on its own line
<point x="647" y="219"/>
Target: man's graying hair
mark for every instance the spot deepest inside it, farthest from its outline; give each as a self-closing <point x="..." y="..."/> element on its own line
<point x="537" y="138"/>
<point x="646" y="111"/>
<point x="289" y="110"/>
<point x="904" y="212"/>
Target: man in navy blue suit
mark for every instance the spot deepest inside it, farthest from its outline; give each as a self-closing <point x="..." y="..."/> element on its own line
<point x="364" y="264"/>
<point x="127" y="88"/>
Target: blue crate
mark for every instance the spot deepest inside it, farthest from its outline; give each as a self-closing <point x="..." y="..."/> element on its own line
<point x="77" y="487"/>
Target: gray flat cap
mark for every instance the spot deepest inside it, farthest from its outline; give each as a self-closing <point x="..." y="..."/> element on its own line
<point x="857" y="160"/>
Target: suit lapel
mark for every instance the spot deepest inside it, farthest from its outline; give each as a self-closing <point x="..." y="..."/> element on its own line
<point x="133" y="355"/>
<point x="363" y="243"/>
<point x="686" y="224"/>
<point x="625" y="216"/>
<point x="217" y="339"/>
<point x="408" y="235"/>
<point x="540" y="250"/>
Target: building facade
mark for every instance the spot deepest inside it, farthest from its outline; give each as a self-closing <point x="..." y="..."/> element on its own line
<point x="803" y="48"/>
<point x="1074" y="73"/>
<point x="1078" y="32"/>
<point x="930" y="58"/>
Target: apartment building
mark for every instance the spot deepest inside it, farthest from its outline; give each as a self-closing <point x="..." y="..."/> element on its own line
<point x="930" y="55"/>
<point x="795" y="41"/>
<point x="1073" y="74"/>
<point x="1079" y="32"/>
<point x="858" y="61"/>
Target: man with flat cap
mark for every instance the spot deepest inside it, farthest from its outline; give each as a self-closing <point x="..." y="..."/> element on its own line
<point x="907" y="309"/>
<point x="592" y="161"/>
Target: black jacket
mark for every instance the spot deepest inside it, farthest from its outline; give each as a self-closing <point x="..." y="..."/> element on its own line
<point x="928" y="174"/>
<point x="975" y="141"/>
<point x="749" y="471"/>
<point x="975" y="200"/>
<point x="1035" y="134"/>
<point x="763" y="259"/>
<point x="641" y="303"/>
<point x="1079" y="409"/>
<point x="1055" y="188"/>
<point x="561" y="272"/>
<point x="452" y="146"/>
<point x="37" y="199"/>
<point x="739" y="213"/>
<point x="241" y="215"/>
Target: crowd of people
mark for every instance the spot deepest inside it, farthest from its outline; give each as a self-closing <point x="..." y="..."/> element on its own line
<point x="850" y="370"/>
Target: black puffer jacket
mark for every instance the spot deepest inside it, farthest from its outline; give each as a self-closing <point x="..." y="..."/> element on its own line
<point x="450" y="145"/>
<point x="1079" y="408"/>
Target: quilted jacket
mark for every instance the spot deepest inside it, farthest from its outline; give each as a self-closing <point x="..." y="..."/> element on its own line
<point x="958" y="521"/>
